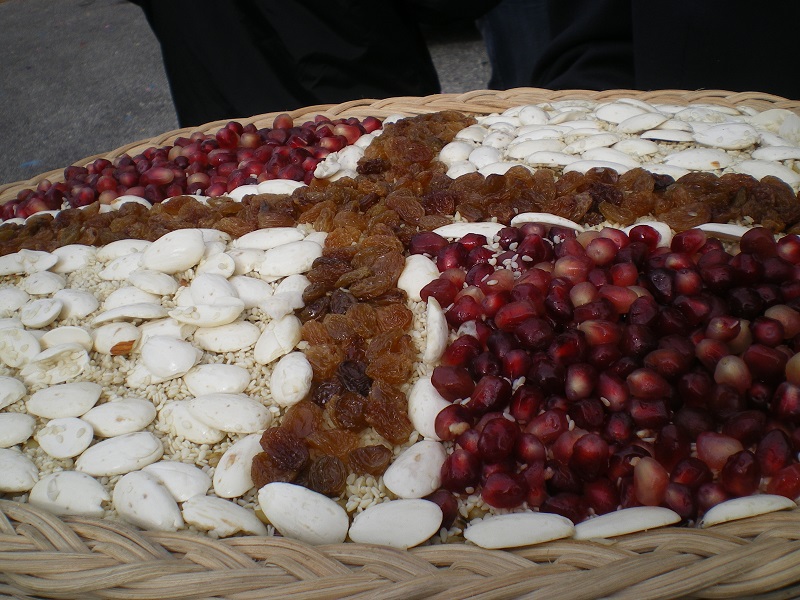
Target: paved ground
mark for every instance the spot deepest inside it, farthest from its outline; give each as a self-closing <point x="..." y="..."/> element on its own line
<point x="79" y="77"/>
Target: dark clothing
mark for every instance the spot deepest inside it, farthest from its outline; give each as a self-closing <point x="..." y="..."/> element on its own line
<point x="681" y="44"/>
<point x="516" y="32"/>
<point x="241" y="58"/>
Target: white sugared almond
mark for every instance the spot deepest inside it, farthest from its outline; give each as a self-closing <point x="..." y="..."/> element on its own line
<point x="518" y="529"/>
<point x="625" y="521"/>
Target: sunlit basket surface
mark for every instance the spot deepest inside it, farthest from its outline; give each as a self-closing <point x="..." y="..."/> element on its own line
<point x="43" y="556"/>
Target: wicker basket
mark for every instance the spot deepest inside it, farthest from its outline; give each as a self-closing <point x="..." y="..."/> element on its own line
<point x="43" y="556"/>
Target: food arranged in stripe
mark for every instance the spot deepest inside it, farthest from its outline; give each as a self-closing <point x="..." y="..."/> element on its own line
<point x="393" y="344"/>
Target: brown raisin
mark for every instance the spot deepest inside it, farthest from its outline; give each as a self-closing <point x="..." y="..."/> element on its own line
<point x="352" y="374"/>
<point x="394" y="316"/>
<point x="335" y="442"/>
<point x="327" y="475"/>
<point x="369" y="460"/>
<point x="302" y="419"/>
<point x="387" y="413"/>
<point x="324" y="359"/>
<point x="263" y="470"/>
<point x="326" y="390"/>
<point x="392" y="368"/>
<point x="341" y="301"/>
<point x="287" y="451"/>
<point x="347" y="410"/>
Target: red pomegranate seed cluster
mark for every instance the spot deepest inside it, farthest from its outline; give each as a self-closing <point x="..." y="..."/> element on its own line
<point x="205" y="164"/>
<point x="598" y="371"/>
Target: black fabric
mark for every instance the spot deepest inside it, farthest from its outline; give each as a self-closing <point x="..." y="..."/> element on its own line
<point x="246" y="57"/>
<point x="681" y="44"/>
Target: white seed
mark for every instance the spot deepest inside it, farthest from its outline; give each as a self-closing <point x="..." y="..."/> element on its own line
<point x="397" y="523"/>
<point x="235" y="413"/>
<point x="518" y="529"/>
<point x="291" y="379"/>
<point x="221" y="517"/>
<point x="15" y="428"/>
<point x="625" y="521"/>
<point x="742" y="508"/>
<point x="424" y="403"/>
<point x="17" y="471"/>
<point x="119" y="417"/>
<point x="120" y="454"/>
<point x="65" y="437"/>
<point x="69" y="493"/>
<point x="64" y="400"/>
<point x="301" y="514"/>
<point x="142" y="500"/>
<point x="416" y="472"/>
<point x="232" y="476"/>
<point x="181" y="479"/>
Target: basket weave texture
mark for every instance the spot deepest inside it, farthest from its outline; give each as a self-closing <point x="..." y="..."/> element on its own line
<point x="44" y="556"/>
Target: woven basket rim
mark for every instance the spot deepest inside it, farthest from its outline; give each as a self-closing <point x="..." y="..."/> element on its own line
<point x="44" y="556"/>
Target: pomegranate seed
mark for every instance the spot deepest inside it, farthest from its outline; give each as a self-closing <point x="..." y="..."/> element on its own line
<point x="650" y="481"/>
<point x="691" y="472"/>
<point x="646" y="235"/>
<point x="526" y="402"/>
<point x="694" y="420"/>
<point x="530" y="450"/>
<point x="759" y="241"/>
<point x="599" y="331"/>
<point x="613" y="390"/>
<point x="648" y="384"/>
<point x="548" y="425"/>
<point x="788" y="248"/>
<point x="452" y="382"/>
<point x="580" y="381"/>
<point x="788" y="317"/>
<point x="774" y="452"/>
<point x="582" y="293"/>
<point x="679" y="498"/>
<point x="503" y="490"/>
<point x="733" y="371"/>
<point x="621" y="463"/>
<point x="601" y="496"/>
<point x="792" y="370"/>
<point x="589" y="457"/>
<point x="786" y="403"/>
<point x="566" y="504"/>
<point x="709" y="352"/>
<point x="500" y="280"/>
<point x="671" y="446"/>
<point x="746" y="426"/>
<point x="637" y="340"/>
<point x="603" y="356"/>
<point x="597" y="310"/>
<point x="466" y="308"/>
<point x="765" y="363"/>
<point x="461" y="351"/>
<point x="460" y="471"/>
<point x="486" y="363"/>
<point x="689" y="241"/>
<point x="469" y="441"/>
<point x="767" y="331"/>
<point x="649" y="414"/>
<point x="745" y="303"/>
<point x="623" y="274"/>
<point x="643" y="311"/>
<point x="619" y="428"/>
<point x="709" y="495"/>
<point x="443" y="290"/>
<point x="452" y="421"/>
<point x="445" y="500"/>
<point x="516" y="363"/>
<point x="560" y="478"/>
<point x="741" y="474"/>
<point x="786" y="482"/>
<point x="587" y="414"/>
<point x="498" y="440"/>
<point x="714" y="448"/>
<point x="491" y="393"/>
<point x="513" y="314"/>
<point x="620" y="297"/>
<point x="568" y="348"/>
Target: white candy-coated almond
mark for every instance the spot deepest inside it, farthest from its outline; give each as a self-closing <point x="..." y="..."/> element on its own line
<point x="459" y="230"/>
<point x="11" y="390"/>
<point x="436" y="336"/>
<point x="397" y="523"/>
<point x="546" y="218"/>
<point x="742" y="508"/>
<point x="232" y="337"/>
<point x="15" y="428"/>
<point x="416" y="472"/>
<point x="518" y="529"/>
<point x="175" y="251"/>
<point x="236" y="413"/>
<point x="221" y="517"/>
<point x="67" y="334"/>
<point x="232" y="476"/>
<point x="120" y="248"/>
<point x="278" y="338"/>
<point x="183" y="424"/>
<point x="291" y="379"/>
<point x="625" y="521"/>
<point x="181" y="479"/>
<point x="424" y="403"/>
<point x="120" y="454"/>
<point x="18" y="473"/>
<point x="302" y="514"/>
<point x="66" y="437"/>
<point x="69" y="493"/>
<point x="419" y="271"/>
<point x="64" y="400"/>
<point x="119" y="417"/>
<point x="140" y="499"/>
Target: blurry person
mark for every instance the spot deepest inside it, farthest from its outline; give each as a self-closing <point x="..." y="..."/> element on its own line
<point x="515" y="32"/>
<point x="646" y="44"/>
<point x="241" y="58"/>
